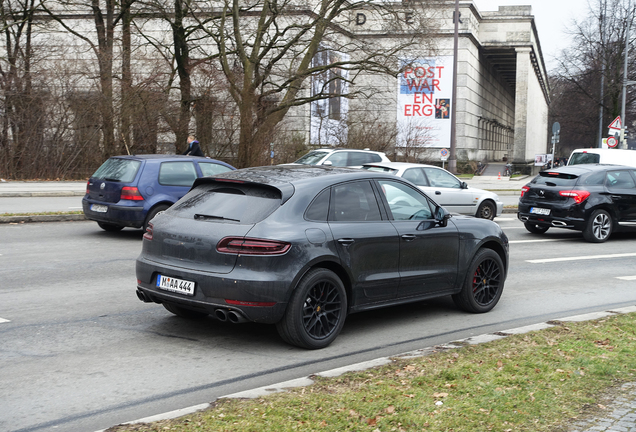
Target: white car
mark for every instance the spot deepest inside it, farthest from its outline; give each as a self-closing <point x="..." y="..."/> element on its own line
<point x="341" y="157"/>
<point x="445" y="189"/>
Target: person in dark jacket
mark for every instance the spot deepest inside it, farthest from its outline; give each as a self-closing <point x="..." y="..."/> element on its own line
<point x="193" y="147"/>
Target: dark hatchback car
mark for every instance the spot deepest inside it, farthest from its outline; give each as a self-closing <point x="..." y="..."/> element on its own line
<point x="128" y="191"/>
<point x="303" y="246"/>
<point x="595" y="199"/>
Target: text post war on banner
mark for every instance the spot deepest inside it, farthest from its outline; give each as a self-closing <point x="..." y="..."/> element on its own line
<point x="425" y="88"/>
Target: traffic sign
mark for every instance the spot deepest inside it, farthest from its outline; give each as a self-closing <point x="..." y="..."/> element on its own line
<point x="616" y="124"/>
<point x="443" y="154"/>
<point x="612" y="142"/>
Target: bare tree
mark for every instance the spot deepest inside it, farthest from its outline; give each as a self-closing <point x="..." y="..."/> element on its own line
<point x="265" y="49"/>
<point x="106" y="15"/>
<point x="593" y="62"/>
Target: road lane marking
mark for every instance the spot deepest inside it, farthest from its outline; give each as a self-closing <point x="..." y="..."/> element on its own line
<point x="580" y="258"/>
<point x="628" y="278"/>
<point x="535" y="241"/>
<point x="2" y="320"/>
<point x="499" y="219"/>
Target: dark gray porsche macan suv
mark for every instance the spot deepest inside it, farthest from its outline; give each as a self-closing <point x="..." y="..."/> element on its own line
<point x="303" y="247"/>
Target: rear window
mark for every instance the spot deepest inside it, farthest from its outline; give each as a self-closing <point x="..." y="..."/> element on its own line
<point x="584" y="158"/>
<point x="234" y="203"/>
<point x="118" y="170"/>
<point x="550" y="178"/>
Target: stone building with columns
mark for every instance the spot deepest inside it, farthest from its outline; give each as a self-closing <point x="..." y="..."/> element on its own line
<point x="502" y="93"/>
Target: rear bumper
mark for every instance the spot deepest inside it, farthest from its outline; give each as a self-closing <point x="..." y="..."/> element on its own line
<point x="131" y="215"/>
<point x="212" y="291"/>
<point x="559" y="217"/>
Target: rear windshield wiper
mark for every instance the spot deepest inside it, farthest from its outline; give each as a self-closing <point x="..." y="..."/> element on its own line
<point x="204" y="216"/>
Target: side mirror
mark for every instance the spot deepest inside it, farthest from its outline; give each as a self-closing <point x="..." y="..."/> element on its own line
<point x="463" y="185"/>
<point x="441" y="216"/>
<point x="327" y="163"/>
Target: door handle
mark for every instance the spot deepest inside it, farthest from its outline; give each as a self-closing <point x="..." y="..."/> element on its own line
<point x="438" y="193"/>
<point x="408" y="237"/>
<point x="346" y="241"/>
<point x="615" y="197"/>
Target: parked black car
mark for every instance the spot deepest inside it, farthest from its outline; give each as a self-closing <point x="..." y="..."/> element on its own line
<point x="304" y="246"/>
<point x="593" y="198"/>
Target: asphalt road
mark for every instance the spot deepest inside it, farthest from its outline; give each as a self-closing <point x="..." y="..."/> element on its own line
<point x="79" y="352"/>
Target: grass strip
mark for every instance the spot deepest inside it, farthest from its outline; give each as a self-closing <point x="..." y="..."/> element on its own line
<point x="539" y="381"/>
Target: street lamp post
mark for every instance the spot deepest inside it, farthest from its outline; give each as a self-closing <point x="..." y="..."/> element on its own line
<point x="452" y="160"/>
<point x="623" y="142"/>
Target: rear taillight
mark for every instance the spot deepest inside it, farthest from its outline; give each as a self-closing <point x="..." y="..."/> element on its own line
<point x="131" y="193"/>
<point x="524" y="190"/>
<point x="247" y="246"/>
<point x="578" y="195"/>
<point x="88" y="184"/>
<point x="148" y="233"/>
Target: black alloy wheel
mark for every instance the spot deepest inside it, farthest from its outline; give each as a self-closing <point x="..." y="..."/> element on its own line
<point x="486" y="210"/>
<point x="316" y="311"/>
<point x="598" y="227"/>
<point x="484" y="283"/>
<point x="535" y="228"/>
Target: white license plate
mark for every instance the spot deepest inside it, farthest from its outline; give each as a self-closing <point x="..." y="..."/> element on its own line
<point x="175" y="285"/>
<point x="538" y="210"/>
<point x="98" y="208"/>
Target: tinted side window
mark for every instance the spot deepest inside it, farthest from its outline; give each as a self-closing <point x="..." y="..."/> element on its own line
<point x="357" y="158"/>
<point x="354" y="202"/>
<point x="211" y="168"/>
<point x="177" y="174"/>
<point x="594" y="179"/>
<point x="620" y="180"/>
<point x="318" y="210"/>
<point x="338" y="159"/>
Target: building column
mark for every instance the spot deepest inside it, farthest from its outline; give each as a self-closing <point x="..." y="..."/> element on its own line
<point x="524" y="68"/>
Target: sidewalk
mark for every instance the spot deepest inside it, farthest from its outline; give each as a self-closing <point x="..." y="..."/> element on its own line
<point x="42" y="188"/>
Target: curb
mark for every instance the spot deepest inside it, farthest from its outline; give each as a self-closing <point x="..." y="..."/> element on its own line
<point x="41" y="194"/>
<point x="308" y="380"/>
<point x="41" y="218"/>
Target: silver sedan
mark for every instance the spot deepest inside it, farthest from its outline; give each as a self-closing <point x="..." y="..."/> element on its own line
<point x="446" y="189"/>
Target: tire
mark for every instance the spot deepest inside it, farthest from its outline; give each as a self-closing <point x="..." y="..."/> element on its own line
<point x="535" y="229"/>
<point x="316" y="311"/>
<point x="598" y="227"/>
<point x="110" y="227"/>
<point x="183" y="312"/>
<point x="483" y="284"/>
<point x="486" y="210"/>
<point x="154" y="212"/>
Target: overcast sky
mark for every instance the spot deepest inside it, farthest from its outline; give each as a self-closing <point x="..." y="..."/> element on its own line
<point x="551" y="17"/>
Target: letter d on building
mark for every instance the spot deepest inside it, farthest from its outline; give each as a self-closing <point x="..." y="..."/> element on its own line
<point x="361" y="18"/>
